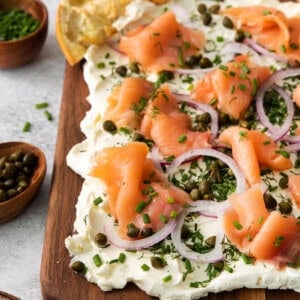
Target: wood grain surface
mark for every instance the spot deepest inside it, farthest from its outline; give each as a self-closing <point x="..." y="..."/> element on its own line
<point x="58" y="281"/>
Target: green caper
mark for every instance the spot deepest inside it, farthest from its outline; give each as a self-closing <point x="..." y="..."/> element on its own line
<point x="205" y="187"/>
<point x="285" y="207"/>
<point x="211" y="241"/>
<point x="206" y="18"/>
<point x="219" y="265"/>
<point x="121" y="70"/>
<point x="18" y="164"/>
<point x="12" y="193"/>
<point x="244" y="124"/>
<point x="15" y="156"/>
<point x="100" y="239"/>
<point x="204" y="118"/>
<point x="185" y="232"/>
<point x="29" y="159"/>
<point x="132" y="230"/>
<point x="27" y="170"/>
<point x="223" y="118"/>
<point x="138" y="137"/>
<point x="10" y="166"/>
<point x="9" y="183"/>
<point x="205" y="62"/>
<point x="134" y="67"/>
<point x="3" y="160"/>
<point x="208" y="196"/>
<point x="3" y="195"/>
<point x="189" y="186"/>
<point x="214" y="9"/>
<point x="195" y="194"/>
<point x="269" y="200"/>
<point x="20" y="189"/>
<point x="192" y="60"/>
<point x="227" y="22"/>
<point x="21" y="177"/>
<point x="283" y="182"/>
<point x="239" y="36"/>
<point x="6" y="174"/>
<point x="23" y="184"/>
<point x="157" y="262"/>
<point x="78" y="267"/>
<point x="202" y="8"/>
<point x="147" y="231"/>
<point x="109" y="126"/>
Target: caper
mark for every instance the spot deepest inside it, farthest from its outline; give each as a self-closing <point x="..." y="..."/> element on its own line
<point x="132" y="230"/>
<point x="27" y="170"/>
<point x="100" y="239"/>
<point x="6" y="174"/>
<point x="219" y="265"/>
<point x="18" y="164"/>
<point x="205" y="62"/>
<point x="109" y="126"/>
<point x="121" y="70"/>
<point x="134" y="67"/>
<point x="29" y="159"/>
<point x="9" y="183"/>
<point x="244" y="124"/>
<point x="78" y="266"/>
<point x="20" y="189"/>
<point x="3" y="195"/>
<point x="223" y="118"/>
<point x="202" y="8"/>
<point x="208" y="196"/>
<point x="269" y="200"/>
<point x="283" y="182"/>
<point x="10" y="166"/>
<point x="206" y="18"/>
<point x="195" y="194"/>
<point x="205" y="187"/>
<point x="189" y="186"/>
<point x="211" y="241"/>
<point x="227" y="22"/>
<point x="214" y="9"/>
<point x="23" y="184"/>
<point x="138" y="137"/>
<point x="239" y="36"/>
<point x="185" y="232"/>
<point x="12" y="193"/>
<point x="3" y="160"/>
<point x="192" y="60"/>
<point x="285" y="207"/>
<point x="147" y="231"/>
<point x="204" y="118"/>
<point x="157" y="262"/>
<point x="15" y="156"/>
<point x="249" y="114"/>
<point x="21" y="177"/>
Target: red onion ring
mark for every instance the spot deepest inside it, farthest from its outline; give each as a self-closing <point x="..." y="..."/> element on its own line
<point x="262" y="50"/>
<point x="214" y="255"/>
<point x="147" y="242"/>
<point x="276" y="131"/>
<point x="214" y="126"/>
<point x="292" y="148"/>
<point x="187" y="156"/>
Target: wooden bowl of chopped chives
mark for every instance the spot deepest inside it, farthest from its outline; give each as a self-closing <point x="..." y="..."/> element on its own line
<point x="23" y="31"/>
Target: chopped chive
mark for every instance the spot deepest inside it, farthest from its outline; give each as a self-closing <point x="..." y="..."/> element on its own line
<point x="122" y="258"/>
<point x="278" y="240"/>
<point x="140" y="207"/>
<point x="173" y="214"/>
<point x="243" y="133"/>
<point x="260" y="220"/>
<point x="294" y="46"/>
<point x="145" y="267"/>
<point x="283" y="153"/>
<point x="41" y="105"/>
<point x="170" y="200"/>
<point x="48" y="115"/>
<point x="182" y="139"/>
<point x="146" y="219"/>
<point x="167" y="278"/>
<point x="97" y="260"/>
<point x="213" y="101"/>
<point x="163" y="218"/>
<point x="223" y="67"/>
<point x="255" y="86"/>
<point x="97" y="200"/>
<point x="27" y="127"/>
<point x="283" y="48"/>
<point x="237" y="225"/>
<point x="266" y="142"/>
<point x="101" y="65"/>
<point x="242" y="87"/>
<point x="231" y="73"/>
<point x="228" y="268"/>
<point x="247" y="259"/>
<point x="170" y="158"/>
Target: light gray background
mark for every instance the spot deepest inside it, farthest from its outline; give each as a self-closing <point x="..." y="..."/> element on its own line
<point x="21" y="240"/>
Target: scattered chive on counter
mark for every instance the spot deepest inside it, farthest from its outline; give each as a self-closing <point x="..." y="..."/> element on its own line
<point x="16" y="24"/>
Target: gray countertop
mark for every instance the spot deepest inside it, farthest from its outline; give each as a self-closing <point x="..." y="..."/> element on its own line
<point x="21" y="240"/>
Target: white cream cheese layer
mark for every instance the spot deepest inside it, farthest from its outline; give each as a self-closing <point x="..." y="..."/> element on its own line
<point x="100" y="76"/>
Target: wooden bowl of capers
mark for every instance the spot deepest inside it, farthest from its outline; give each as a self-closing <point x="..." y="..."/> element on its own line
<point x="22" y="172"/>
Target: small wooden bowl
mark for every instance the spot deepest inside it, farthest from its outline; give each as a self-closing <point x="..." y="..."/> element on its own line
<point x="19" y="52"/>
<point x="11" y="208"/>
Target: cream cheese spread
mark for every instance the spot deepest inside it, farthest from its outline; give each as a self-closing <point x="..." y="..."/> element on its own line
<point x="91" y="217"/>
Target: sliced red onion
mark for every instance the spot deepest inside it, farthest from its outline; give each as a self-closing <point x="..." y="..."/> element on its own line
<point x="292" y="148"/>
<point x="210" y="208"/>
<point x="216" y="254"/>
<point x="192" y="154"/>
<point x="277" y="132"/>
<point x="147" y="242"/>
<point x="260" y="49"/>
<point x="193" y="72"/>
<point x="214" y="126"/>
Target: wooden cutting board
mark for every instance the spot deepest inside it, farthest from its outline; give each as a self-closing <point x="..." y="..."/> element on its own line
<point x="58" y="281"/>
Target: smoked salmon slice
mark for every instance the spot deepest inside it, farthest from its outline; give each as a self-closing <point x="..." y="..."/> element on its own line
<point x="268" y="27"/>
<point x="244" y="220"/>
<point x="169" y="128"/>
<point x="162" y="45"/>
<point x="294" y="188"/>
<point x="135" y="187"/>
<point x="253" y="150"/>
<point x="232" y="86"/>
<point x="127" y="101"/>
